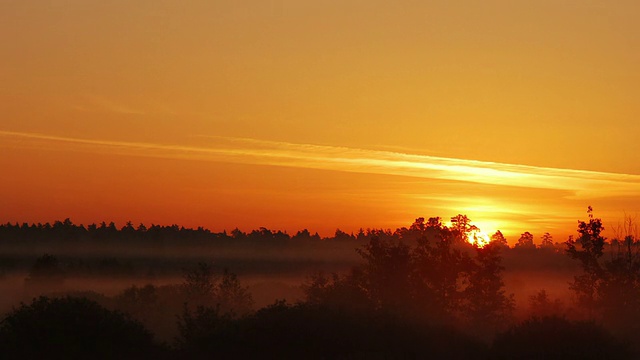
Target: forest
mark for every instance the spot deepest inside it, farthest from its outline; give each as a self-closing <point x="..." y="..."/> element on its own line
<point x="423" y="291"/>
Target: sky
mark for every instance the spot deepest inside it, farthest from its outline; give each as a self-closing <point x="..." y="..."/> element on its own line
<point x="320" y="114"/>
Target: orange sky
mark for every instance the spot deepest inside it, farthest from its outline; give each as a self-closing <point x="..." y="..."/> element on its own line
<point x="320" y="114"/>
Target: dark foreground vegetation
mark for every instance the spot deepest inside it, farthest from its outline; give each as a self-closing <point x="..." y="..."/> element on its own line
<point x="419" y="292"/>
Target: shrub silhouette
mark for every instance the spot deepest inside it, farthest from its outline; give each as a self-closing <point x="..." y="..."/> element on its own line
<point x="304" y="331"/>
<point x="46" y="270"/>
<point x="72" y="328"/>
<point x="541" y="305"/>
<point x="203" y="287"/>
<point x="205" y="332"/>
<point x="557" y="338"/>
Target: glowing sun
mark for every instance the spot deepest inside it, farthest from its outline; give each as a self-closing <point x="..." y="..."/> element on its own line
<point x="478" y="237"/>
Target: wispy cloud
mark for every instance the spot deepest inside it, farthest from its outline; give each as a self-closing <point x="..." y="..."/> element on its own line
<point x="101" y="103"/>
<point x="579" y="184"/>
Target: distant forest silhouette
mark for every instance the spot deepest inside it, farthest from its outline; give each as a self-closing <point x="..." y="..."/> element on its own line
<point x="67" y="231"/>
<point x="423" y="291"/>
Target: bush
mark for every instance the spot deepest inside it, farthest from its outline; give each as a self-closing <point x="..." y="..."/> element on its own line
<point x="558" y="338"/>
<point x="72" y="328"/>
<point x="305" y="331"/>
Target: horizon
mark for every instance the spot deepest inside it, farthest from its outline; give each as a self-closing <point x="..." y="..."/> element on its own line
<point x="512" y="240"/>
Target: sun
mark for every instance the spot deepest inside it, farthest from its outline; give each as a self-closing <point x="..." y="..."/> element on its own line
<point x="478" y="237"/>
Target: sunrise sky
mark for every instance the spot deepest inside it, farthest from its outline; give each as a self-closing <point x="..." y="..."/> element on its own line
<point x="320" y="114"/>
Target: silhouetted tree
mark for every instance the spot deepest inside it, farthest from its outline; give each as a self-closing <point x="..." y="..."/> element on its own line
<point x="72" y="328"/>
<point x="343" y="236"/>
<point x="237" y="234"/>
<point x="540" y="305"/>
<point x="587" y="249"/>
<point x="46" y="272"/>
<point x="619" y="290"/>
<point x="305" y="331"/>
<point x="205" y="332"/>
<point x="488" y="308"/>
<point x="305" y="235"/>
<point x="499" y="239"/>
<point x="387" y="269"/>
<point x="608" y="289"/>
<point x="139" y="302"/>
<point x="547" y="240"/>
<point x="553" y="338"/>
<point x="231" y="297"/>
<point x="200" y="285"/>
<point x="525" y="241"/>
<point x="204" y="288"/>
<point x="462" y="227"/>
<point x="441" y="271"/>
<point x="349" y="291"/>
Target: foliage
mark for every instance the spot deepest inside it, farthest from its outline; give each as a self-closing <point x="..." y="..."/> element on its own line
<point x="557" y="338"/>
<point x="413" y="293"/>
<point x="588" y="249"/>
<point x="387" y="269"/>
<point x="462" y="227"/>
<point x="547" y="240"/>
<point x="608" y="287"/>
<point x="204" y="330"/>
<point x="46" y="270"/>
<point x="499" y="239"/>
<point x="338" y="291"/>
<point x="525" y="241"/>
<point x="203" y="287"/>
<point x="540" y="305"/>
<point x="231" y="297"/>
<point x="442" y="269"/>
<point x="436" y="278"/>
<point x="306" y="331"/>
<point x="488" y="307"/>
<point x="200" y="284"/>
<point x="139" y="302"/>
<point x="72" y="328"/>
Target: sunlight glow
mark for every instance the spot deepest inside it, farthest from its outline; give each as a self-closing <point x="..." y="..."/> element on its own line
<point x="478" y="237"/>
<point x="510" y="197"/>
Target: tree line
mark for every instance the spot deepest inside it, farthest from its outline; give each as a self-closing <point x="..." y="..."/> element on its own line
<point x="67" y="232"/>
<point x="422" y="291"/>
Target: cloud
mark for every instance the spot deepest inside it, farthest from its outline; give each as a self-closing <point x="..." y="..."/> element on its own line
<point x="579" y="184"/>
<point x="101" y="103"/>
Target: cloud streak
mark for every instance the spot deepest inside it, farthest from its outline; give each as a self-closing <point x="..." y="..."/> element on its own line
<point x="579" y="184"/>
<point x="100" y="103"/>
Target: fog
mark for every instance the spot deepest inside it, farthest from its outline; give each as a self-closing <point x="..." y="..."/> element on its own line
<point x="269" y="274"/>
<point x="188" y="287"/>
